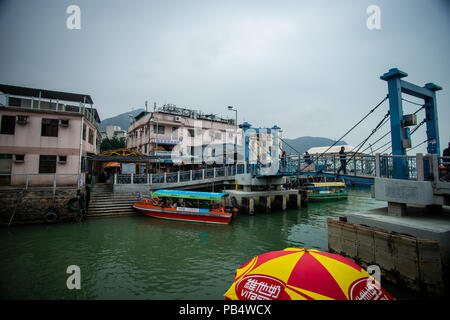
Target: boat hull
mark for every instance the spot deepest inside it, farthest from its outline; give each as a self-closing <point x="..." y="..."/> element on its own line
<point x="326" y="196"/>
<point x="184" y="214"/>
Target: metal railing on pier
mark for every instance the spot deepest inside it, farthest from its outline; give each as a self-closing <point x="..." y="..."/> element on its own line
<point x="419" y="167"/>
<point x="180" y="176"/>
<point x="43" y="180"/>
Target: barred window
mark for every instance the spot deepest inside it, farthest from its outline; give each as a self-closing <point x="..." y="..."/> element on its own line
<point x="47" y="164"/>
<point x="49" y="127"/>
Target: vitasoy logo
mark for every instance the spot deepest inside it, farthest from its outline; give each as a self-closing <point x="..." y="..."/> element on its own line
<point x="259" y="287"/>
<point x="365" y="289"/>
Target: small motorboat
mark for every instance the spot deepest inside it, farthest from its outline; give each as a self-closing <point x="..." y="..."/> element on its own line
<point x="192" y="206"/>
<point x="326" y="191"/>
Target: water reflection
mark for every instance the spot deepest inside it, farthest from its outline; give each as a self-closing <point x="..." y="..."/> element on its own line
<point x="144" y="258"/>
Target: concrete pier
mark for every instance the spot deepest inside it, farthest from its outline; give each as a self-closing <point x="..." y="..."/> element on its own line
<point x="411" y="248"/>
<point x="265" y="201"/>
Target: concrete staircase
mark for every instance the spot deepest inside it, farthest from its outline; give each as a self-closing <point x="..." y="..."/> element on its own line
<point x="104" y="203"/>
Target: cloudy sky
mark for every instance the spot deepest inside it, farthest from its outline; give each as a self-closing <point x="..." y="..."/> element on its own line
<point x="310" y="67"/>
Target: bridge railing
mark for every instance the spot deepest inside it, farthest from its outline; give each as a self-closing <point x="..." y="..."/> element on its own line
<point x="428" y="167"/>
<point x="179" y="176"/>
<point x="418" y="167"/>
<point x="357" y="165"/>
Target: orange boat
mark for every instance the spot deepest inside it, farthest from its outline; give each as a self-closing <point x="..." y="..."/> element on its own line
<point x="191" y="206"/>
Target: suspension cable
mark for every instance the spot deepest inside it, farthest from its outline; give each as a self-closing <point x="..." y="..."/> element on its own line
<point x="412" y="102"/>
<point x="371" y="111"/>
<point x="380" y="124"/>
<point x="351" y="129"/>
<point x="421" y="107"/>
<point x="290" y="146"/>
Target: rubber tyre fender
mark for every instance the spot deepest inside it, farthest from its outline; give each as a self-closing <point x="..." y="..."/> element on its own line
<point x="50" y="217"/>
<point x="71" y="206"/>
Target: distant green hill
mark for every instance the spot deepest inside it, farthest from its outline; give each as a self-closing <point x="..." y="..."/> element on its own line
<point x="303" y="144"/>
<point x="122" y="120"/>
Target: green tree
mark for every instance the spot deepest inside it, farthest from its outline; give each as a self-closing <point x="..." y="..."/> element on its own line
<point x="112" y="144"/>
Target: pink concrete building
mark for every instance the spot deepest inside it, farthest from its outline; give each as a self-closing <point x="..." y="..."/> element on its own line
<point x="46" y="136"/>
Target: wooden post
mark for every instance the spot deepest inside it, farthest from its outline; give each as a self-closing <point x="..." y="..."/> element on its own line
<point x="299" y="200"/>
<point x="268" y="204"/>
<point x="251" y="206"/>
<point x="284" y="202"/>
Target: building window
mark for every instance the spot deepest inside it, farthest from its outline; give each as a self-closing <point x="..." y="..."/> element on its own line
<point x="47" y="164"/>
<point x="84" y="132"/>
<point x="91" y="136"/>
<point x="158" y="129"/>
<point x="8" y="125"/>
<point x="15" y="102"/>
<point x="49" y="128"/>
<point x="191" y="132"/>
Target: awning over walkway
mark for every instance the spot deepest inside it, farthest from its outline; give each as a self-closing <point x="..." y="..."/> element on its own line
<point x="125" y="155"/>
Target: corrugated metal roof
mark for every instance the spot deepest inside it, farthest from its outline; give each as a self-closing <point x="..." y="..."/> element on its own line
<point x="46" y="94"/>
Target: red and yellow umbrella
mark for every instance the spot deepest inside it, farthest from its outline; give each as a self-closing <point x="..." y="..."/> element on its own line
<point x="301" y="274"/>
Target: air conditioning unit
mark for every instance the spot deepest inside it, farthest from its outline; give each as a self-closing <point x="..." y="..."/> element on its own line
<point x="64" y="122"/>
<point x="62" y="159"/>
<point x="19" y="158"/>
<point x="177" y="118"/>
<point x="22" y="119"/>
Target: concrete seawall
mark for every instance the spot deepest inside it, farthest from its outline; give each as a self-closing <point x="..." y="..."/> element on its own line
<point x="34" y="204"/>
<point x="404" y="260"/>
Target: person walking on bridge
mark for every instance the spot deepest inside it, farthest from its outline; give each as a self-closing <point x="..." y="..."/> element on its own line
<point x="343" y="159"/>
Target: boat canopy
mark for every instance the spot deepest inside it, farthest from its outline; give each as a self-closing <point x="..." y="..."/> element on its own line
<point x="190" y="194"/>
<point x="328" y="184"/>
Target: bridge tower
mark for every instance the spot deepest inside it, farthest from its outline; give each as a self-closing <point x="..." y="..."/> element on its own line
<point x="400" y="133"/>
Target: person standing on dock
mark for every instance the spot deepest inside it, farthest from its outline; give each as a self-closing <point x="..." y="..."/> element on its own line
<point x="307" y="158"/>
<point x="343" y="159"/>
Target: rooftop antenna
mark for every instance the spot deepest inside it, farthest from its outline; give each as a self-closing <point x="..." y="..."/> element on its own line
<point x="145" y="106"/>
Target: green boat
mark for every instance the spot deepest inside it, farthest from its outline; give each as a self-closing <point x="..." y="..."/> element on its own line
<point x="318" y="191"/>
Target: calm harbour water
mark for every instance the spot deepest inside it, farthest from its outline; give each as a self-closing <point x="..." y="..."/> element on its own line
<point x="140" y="257"/>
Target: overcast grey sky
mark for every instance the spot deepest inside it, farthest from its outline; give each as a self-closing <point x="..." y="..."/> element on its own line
<point x="310" y="67"/>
